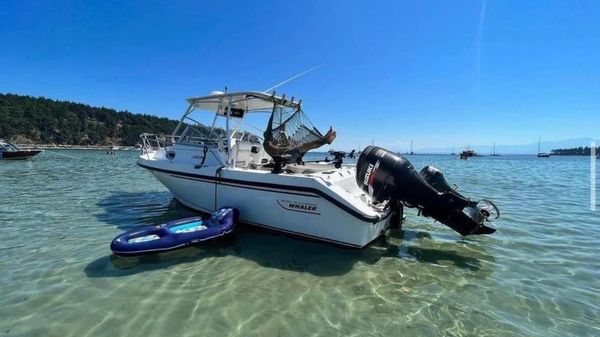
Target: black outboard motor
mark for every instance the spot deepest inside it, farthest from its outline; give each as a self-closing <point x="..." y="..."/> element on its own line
<point x="388" y="176"/>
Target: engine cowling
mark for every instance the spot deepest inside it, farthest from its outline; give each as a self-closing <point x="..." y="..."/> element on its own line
<point x="388" y="176"/>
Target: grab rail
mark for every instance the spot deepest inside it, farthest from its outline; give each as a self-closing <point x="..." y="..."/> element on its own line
<point x="153" y="142"/>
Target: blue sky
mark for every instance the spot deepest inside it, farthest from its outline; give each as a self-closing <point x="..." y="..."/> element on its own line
<point x="451" y="73"/>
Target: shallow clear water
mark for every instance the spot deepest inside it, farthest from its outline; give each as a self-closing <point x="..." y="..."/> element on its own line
<point x="539" y="275"/>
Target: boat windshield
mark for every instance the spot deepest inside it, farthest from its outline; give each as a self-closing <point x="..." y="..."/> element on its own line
<point x="197" y="132"/>
<point x="201" y="135"/>
<point x="8" y="147"/>
<point x="249" y="113"/>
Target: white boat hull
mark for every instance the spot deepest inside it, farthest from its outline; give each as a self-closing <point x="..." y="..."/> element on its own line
<point x="303" y="209"/>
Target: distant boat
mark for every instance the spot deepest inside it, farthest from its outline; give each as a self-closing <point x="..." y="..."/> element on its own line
<point x="542" y="154"/>
<point x="494" y="154"/>
<point x="10" y="151"/>
<point x="411" y="148"/>
<point x="466" y="154"/>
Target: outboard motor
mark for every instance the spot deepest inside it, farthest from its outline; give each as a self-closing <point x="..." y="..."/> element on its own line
<point x="387" y="176"/>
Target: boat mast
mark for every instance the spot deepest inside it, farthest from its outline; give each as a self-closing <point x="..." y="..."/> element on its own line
<point x="539" y="144"/>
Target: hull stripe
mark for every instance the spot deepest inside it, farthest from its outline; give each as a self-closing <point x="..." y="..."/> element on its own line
<point x="269" y="187"/>
<point x="242" y="186"/>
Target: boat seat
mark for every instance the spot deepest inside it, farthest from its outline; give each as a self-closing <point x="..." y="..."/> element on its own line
<point x="246" y="153"/>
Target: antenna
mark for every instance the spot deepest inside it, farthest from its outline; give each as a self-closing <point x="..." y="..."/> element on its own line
<point x="293" y="78"/>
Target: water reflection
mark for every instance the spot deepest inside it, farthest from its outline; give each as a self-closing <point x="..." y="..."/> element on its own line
<point x="127" y="210"/>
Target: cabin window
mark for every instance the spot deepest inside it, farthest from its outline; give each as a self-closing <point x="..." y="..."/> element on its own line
<point x="8" y="147"/>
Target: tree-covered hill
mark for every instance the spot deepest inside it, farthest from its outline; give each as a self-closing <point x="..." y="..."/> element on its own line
<point x="27" y="119"/>
<point x="576" y="151"/>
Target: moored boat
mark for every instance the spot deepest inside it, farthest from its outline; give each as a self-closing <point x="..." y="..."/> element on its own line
<point x="206" y="167"/>
<point x="542" y="154"/>
<point x="494" y="154"/>
<point x="10" y="151"/>
<point x="466" y="154"/>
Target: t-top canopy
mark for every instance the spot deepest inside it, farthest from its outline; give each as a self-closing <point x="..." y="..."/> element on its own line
<point x="241" y="102"/>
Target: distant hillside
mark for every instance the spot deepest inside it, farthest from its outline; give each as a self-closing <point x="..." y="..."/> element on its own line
<point x="27" y="119"/>
<point x="576" y="151"/>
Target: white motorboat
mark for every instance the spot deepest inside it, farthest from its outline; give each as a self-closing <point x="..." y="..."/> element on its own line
<point x="209" y="167"/>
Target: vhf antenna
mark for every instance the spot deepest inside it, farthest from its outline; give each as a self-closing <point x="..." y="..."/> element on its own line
<point x="293" y="78"/>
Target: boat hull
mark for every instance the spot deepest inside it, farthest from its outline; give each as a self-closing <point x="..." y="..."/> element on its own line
<point x="298" y="210"/>
<point x="18" y="155"/>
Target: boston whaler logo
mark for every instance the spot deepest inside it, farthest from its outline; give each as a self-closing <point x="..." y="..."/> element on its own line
<point x="298" y="206"/>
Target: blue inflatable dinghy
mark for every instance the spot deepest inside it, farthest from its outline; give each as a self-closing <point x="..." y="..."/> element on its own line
<point x="175" y="234"/>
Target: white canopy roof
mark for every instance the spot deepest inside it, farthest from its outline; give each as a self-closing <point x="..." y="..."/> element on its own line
<point x="247" y="101"/>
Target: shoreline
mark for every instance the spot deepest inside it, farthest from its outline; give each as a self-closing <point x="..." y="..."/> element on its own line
<point x="74" y="147"/>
